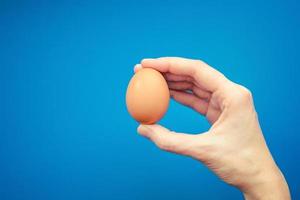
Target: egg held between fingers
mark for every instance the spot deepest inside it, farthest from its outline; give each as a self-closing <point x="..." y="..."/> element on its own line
<point x="147" y="96"/>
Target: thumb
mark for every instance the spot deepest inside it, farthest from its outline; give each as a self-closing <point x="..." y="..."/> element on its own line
<point x="167" y="140"/>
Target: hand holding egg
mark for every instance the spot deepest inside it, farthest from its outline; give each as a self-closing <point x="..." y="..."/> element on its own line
<point x="233" y="148"/>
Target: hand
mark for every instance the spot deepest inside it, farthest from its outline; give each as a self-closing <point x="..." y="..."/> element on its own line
<point x="234" y="147"/>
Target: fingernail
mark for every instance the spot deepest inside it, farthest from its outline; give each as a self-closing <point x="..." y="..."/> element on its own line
<point x="137" y="67"/>
<point x="143" y="129"/>
<point x="147" y="59"/>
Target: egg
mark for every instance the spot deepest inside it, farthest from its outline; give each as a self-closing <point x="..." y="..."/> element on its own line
<point x="147" y="96"/>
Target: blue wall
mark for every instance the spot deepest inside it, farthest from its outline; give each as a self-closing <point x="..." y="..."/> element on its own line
<point x="64" y="67"/>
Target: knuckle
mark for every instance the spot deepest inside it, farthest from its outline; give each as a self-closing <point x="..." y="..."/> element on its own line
<point x="168" y="143"/>
<point x="243" y="96"/>
<point x="167" y="146"/>
<point x="196" y="66"/>
<point x="245" y="92"/>
<point x="204" y="150"/>
<point x="164" y="144"/>
<point x="199" y="63"/>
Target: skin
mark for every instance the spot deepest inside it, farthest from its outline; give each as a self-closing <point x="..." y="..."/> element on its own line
<point x="234" y="147"/>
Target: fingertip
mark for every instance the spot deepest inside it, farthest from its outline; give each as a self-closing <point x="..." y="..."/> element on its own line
<point x="143" y="130"/>
<point x="151" y="63"/>
<point x="137" y="67"/>
<point x="139" y="129"/>
<point x="155" y="63"/>
<point x="147" y="60"/>
<point x="172" y="93"/>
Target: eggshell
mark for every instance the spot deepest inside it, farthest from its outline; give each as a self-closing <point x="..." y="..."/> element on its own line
<point x="147" y="96"/>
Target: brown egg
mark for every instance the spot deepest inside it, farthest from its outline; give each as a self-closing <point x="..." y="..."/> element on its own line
<point x="147" y="96"/>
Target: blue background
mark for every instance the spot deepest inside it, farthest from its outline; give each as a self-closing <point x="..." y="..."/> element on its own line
<point x="65" y="132"/>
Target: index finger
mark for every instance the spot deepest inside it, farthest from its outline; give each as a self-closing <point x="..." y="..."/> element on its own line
<point x="209" y="78"/>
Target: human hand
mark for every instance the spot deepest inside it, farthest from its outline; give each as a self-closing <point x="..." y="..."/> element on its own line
<point x="234" y="147"/>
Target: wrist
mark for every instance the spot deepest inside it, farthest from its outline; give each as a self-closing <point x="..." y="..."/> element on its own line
<point x="267" y="185"/>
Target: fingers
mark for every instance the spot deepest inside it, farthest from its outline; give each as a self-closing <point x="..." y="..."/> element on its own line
<point x="168" y="140"/>
<point x="174" y="77"/>
<point x="190" y="100"/>
<point x="209" y="78"/>
<point x="183" y="85"/>
<point x="181" y="82"/>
